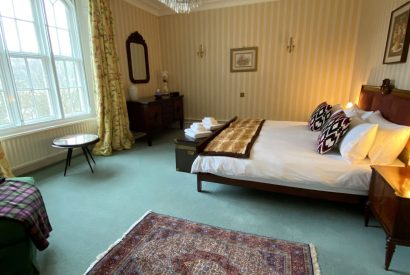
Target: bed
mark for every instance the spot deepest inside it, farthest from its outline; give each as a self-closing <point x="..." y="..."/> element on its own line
<point x="292" y="165"/>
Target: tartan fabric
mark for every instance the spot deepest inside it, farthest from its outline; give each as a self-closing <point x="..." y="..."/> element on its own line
<point x="23" y="202"/>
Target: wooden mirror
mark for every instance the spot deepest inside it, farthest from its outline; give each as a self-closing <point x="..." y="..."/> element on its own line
<point x="137" y="55"/>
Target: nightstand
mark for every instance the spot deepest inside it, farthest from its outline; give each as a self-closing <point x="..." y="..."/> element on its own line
<point x="389" y="201"/>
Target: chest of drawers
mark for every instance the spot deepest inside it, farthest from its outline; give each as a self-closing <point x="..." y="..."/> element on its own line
<point x="150" y="115"/>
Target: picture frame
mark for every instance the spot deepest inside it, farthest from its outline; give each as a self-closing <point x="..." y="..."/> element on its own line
<point x="244" y="59"/>
<point x="398" y="37"/>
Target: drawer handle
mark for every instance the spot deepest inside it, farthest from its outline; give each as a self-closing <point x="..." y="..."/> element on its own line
<point x="191" y="153"/>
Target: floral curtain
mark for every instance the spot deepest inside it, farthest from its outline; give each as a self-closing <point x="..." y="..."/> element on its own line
<point x="113" y="123"/>
<point x="4" y="164"/>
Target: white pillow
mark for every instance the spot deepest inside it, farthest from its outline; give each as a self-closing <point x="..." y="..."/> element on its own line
<point x="357" y="142"/>
<point x="355" y="111"/>
<point x="390" y="140"/>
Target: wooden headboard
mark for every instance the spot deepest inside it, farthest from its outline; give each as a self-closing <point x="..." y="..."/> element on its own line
<point x="394" y="106"/>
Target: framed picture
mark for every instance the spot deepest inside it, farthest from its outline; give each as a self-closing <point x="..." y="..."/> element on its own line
<point x="244" y="59"/>
<point x="398" y="38"/>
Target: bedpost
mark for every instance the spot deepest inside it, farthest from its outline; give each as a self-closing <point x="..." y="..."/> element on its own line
<point x="198" y="183"/>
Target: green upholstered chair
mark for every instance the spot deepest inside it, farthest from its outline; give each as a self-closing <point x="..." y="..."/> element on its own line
<point x="17" y="252"/>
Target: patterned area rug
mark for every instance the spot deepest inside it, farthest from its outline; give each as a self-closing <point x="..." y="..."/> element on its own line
<point x="159" y="244"/>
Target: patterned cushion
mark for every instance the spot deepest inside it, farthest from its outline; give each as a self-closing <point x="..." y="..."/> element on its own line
<point x="319" y="116"/>
<point x="332" y="132"/>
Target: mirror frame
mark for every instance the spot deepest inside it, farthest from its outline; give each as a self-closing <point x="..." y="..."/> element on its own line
<point x="137" y="38"/>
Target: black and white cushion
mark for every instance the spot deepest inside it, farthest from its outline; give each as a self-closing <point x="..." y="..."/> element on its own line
<point x="319" y="116"/>
<point x="333" y="131"/>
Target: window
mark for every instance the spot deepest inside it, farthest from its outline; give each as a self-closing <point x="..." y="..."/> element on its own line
<point x="42" y="70"/>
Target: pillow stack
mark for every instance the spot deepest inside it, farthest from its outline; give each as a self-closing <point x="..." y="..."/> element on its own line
<point x="370" y="135"/>
<point x="358" y="133"/>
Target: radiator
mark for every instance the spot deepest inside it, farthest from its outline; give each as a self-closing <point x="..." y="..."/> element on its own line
<point x="31" y="151"/>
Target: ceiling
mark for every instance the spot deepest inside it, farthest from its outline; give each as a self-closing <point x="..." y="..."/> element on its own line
<point x="159" y="9"/>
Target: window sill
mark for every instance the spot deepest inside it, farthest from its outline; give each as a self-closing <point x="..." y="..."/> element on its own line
<point x="32" y="129"/>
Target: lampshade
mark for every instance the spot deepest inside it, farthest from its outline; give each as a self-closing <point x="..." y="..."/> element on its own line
<point x="181" y="6"/>
<point x="349" y="105"/>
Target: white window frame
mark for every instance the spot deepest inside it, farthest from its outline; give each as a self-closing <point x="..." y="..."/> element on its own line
<point x="80" y="18"/>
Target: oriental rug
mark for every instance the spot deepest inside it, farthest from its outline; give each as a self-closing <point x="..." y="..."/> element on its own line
<point x="159" y="244"/>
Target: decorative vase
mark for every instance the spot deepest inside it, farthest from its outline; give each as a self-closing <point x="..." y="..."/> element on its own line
<point x="164" y="77"/>
<point x="133" y="92"/>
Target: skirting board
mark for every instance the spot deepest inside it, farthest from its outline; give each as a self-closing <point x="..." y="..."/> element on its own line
<point x="34" y="165"/>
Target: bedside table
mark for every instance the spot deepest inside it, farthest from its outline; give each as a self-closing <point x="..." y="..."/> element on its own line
<point x="389" y="201"/>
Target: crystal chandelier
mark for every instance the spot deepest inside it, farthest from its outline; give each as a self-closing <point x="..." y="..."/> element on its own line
<point x="181" y="6"/>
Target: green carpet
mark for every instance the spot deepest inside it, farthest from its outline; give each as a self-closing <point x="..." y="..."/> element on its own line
<point x="90" y="211"/>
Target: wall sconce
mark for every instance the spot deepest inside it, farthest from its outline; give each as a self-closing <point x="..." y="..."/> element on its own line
<point x="201" y="51"/>
<point x="291" y="45"/>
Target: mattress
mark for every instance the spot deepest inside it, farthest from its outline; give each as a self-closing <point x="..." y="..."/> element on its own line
<point x="285" y="154"/>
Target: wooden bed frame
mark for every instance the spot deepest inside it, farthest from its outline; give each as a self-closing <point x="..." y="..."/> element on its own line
<point x="394" y="105"/>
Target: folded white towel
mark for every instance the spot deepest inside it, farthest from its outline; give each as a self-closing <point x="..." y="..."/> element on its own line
<point x="197" y="126"/>
<point x="209" y="120"/>
<point x="194" y="131"/>
<point x="193" y="134"/>
<point x="213" y="127"/>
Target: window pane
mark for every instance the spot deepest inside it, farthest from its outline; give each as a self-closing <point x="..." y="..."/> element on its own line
<point x="65" y="98"/>
<point x="28" y="37"/>
<point x="20" y="73"/>
<point x="42" y="101"/>
<point x="61" y="74"/>
<point x="54" y="41"/>
<point x="26" y="105"/>
<point x="60" y="14"/>
<point x="6" y="8"/>
<point x="65" y="43"/>
<point x="76" y="99"/>
<point x="12" y="39"/>
<point x="71" y="74"/>
<point x="71" y="101"/>
<point x="4" y="116"/>
<point x="49" y="13"/>
<point x="38" y="77"/>
<point x="23" y="9"/>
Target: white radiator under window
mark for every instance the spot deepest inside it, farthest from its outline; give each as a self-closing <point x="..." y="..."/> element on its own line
<point x="32" y="151"/>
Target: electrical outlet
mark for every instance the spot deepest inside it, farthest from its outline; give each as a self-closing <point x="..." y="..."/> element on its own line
<point x="242" y="94"/>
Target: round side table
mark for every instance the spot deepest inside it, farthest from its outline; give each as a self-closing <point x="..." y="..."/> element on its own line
<point x="76" y="141"/>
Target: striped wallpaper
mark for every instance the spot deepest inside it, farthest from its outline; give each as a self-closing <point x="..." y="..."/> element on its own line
<point x="369" y="67"/>
<point x="339" y="46"/>
<point x="286" y="86"/>
<point x="128" y="19"/>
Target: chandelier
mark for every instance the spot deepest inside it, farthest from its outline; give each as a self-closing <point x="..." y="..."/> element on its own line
<point x="181" y="6"/>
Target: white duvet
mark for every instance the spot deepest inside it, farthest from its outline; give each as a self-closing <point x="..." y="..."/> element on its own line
<point x="285" y="154"/>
